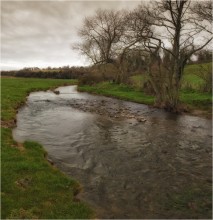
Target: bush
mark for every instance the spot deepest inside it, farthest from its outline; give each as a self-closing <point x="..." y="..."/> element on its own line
<point x="148" y="88"/>
<point x="98" y="73"/>
<point x="90" y="79"/>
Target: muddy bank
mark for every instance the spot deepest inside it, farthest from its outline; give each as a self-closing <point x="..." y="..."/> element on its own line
<point x="132" y="160"/>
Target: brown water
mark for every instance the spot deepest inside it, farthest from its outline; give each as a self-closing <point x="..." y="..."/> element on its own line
<point x="128" y="169"/>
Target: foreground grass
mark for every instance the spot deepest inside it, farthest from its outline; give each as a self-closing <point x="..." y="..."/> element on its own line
<point x="30" y="187"/>
<point x="15" y="90"/>
<point x="195" y="202"/>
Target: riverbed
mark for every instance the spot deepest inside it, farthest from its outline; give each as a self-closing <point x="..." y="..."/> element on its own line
<point x="129" y="158"/>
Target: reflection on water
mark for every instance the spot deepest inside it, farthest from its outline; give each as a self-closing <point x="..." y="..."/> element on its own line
<point x="127" y="168"/>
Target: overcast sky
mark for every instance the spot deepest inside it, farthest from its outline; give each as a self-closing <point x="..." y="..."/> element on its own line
<point x="40" y="33"/>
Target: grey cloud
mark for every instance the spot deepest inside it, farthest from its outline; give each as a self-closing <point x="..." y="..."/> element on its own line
<point x="41" y="32"/>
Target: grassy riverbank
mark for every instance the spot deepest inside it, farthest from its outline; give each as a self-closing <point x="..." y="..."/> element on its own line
<point x="30" y="187"/>
<point x="191" y="96"/>
<point x="194" y="100"/>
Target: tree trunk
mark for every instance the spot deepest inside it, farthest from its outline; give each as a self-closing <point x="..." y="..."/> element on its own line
<point x="166" y="86"/>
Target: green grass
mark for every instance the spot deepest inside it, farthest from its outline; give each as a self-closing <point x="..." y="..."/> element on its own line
<point x="15" y="90"/>
<point x="195" y="68"/>
<point x="190" y="80"/>
<point x="195" y="100"/>
<point x="138" y="81"/>
<point x="193" y="202"/>
<point x="191" y="77"/>
<point x="118" y="91"/>
<point x="30" y="186"/>
<point x="190" y="94"/>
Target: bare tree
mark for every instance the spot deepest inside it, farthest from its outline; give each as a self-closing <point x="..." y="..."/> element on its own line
<point x="137" y="30"/>
<point x="204" y="56"/>
<point x="111" y="36"/>
<point x="163" y="27"/>
<point x="178" y="34"/>
<point x="99" y="34"/>
<point x="203" y="13"/>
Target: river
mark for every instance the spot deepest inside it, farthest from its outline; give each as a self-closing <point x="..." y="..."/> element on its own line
<point x="129" y="158"/>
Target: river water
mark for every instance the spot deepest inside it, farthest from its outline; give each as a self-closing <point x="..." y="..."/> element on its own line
<point x="127" y="167"/>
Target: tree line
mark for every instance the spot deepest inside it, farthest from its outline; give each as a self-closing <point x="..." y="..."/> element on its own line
<point x="56" y="73"/>
<point x="158" y="36"/>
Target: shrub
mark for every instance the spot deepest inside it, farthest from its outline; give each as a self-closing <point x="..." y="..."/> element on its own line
<point x="97" y="74"/>
<point x="90" y="79"/>
<point x="148" y="88"/>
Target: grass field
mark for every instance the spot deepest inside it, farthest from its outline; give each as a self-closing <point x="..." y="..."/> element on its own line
<point x="119" y="91"/>
<point x="30" y="187"/>
<point x="191" y="80"/>
<point x="190" y="94"/>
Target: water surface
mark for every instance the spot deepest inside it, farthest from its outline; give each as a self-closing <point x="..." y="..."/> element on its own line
<point x="127" y="168"/>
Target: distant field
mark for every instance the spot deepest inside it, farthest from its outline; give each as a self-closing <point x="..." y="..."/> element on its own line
<point x="194" y="68"/>
<point x="190" y="78"/>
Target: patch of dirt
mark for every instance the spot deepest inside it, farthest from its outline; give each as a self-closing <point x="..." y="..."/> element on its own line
<point x="201" y="113"/>
<point x="8" y="124"/>
<point x="20" y="146"/>
<point x="24" y="183"/>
